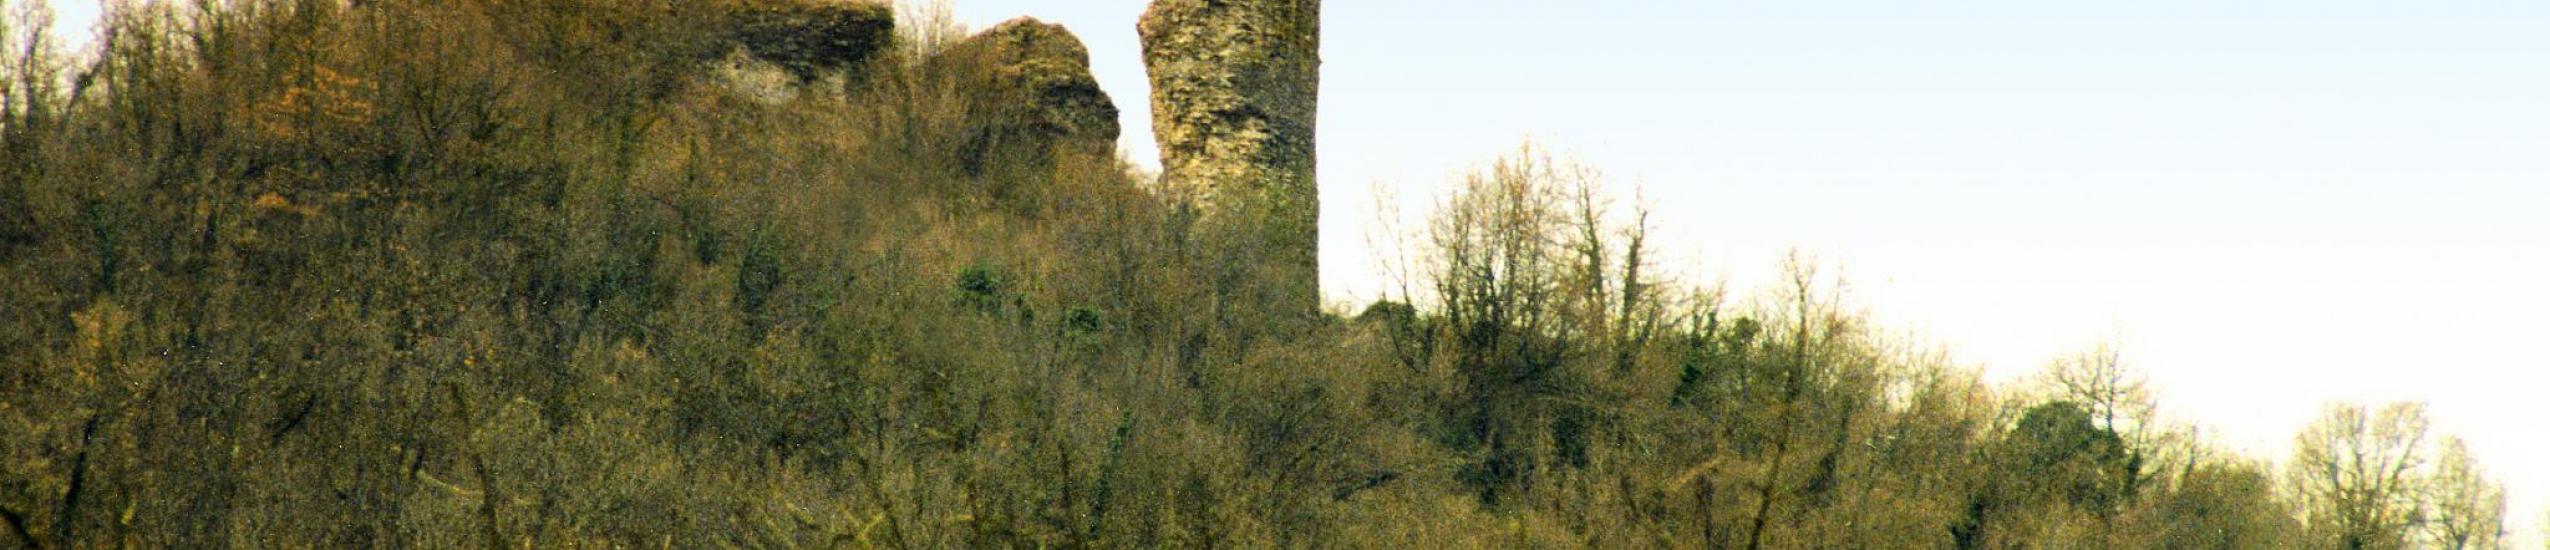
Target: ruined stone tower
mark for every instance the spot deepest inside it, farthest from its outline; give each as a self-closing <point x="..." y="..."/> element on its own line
<point x="1234" y="101"/>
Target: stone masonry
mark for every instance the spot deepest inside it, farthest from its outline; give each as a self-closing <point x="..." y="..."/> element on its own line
<point x="1234" y="102"/>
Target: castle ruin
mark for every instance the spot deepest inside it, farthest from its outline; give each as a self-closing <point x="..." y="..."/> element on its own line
<point x="1234" y="102"/>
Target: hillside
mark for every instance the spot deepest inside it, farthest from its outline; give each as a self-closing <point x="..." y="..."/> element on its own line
<point x="788" y="273"/>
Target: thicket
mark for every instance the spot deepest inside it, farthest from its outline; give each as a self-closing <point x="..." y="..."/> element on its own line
<point x="505" y="273"/>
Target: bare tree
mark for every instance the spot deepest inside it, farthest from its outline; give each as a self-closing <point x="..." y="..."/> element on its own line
<point x="2356" y="473"/>
<point x="2469" y="508"/>
<point x="2115" y="396"/>
<point x="1803" y="409"/>
<point x="2119" y="401"/>
<point x="1519" y="263"/>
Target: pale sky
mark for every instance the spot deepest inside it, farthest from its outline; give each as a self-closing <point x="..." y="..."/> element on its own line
<point x="2276" y="203"/>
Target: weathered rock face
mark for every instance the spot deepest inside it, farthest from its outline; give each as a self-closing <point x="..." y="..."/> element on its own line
<point x="782" y="48"/>
<point x="1234" y="101"/>
<point x="812" y="39"/>
<point x="1039" y="94"/>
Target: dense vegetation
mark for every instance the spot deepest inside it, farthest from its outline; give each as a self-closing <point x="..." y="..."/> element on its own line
<point x="504" y="273"/>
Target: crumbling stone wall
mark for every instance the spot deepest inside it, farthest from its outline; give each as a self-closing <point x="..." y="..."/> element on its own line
<point x="1036" y="91"/>
<point x="809" y="39"/>
<point x="781" y="48"/>
<point x="1234" y="102"/>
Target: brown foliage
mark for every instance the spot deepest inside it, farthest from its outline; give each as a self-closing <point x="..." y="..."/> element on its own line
<point x="503" y="273"/>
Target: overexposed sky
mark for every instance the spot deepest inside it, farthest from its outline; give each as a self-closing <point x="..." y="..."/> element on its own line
<point x="2274" y="203"/>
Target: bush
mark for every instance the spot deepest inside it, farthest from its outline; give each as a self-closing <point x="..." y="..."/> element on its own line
<point x="464" y="272"/>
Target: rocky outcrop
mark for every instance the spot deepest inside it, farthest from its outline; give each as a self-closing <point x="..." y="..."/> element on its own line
<point x="1037" y="91"/>
<point x="810" y="39"/>
<point x="1234" y="101"/>
<point x="780" y="48"/>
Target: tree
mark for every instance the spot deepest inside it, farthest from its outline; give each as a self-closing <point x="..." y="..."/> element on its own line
<point x="2229" y="504"/>
<point x="2060" y="450"/>
<point x="2469" y="508"/>
<point x="2119" y="402"/>
<point x="2356" y="472"/>
<point x="2056" y="467"/>
<point x="1539" y="307"/>
<point x="29" y="94"/>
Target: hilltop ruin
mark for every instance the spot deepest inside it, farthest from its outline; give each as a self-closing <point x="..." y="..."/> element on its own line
<point x="1234" y="102"/>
